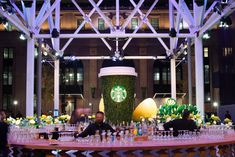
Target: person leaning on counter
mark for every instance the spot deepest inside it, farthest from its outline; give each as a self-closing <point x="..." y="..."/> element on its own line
<point x="98" y="125"/>
<point x="185" y="123"/>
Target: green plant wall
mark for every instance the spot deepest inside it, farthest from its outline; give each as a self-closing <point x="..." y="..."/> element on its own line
<point x="118" y="112"/>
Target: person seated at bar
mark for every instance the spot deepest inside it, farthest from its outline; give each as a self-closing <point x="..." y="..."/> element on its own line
<point x="227" y="115"/>
<point x="98" y="125"/>
<point x="3" y="135"/>
<point x="74" y="118"/>
<point x="185" y="123"/>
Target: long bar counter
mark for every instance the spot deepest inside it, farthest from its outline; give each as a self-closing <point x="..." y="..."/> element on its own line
<point x="168" y="147"/>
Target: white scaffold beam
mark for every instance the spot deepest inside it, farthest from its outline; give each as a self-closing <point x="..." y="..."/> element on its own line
<point x="48" y="13"/>
<point x="56" y="46"/>
<point x="199" y="67"/>
<point x="215" y="18"/>
<point x="91" y="24"/>
<point x="173" y="66"/>
<point x="30" y="13"/>
<point x="106" y="19"/>
<point x="144" y="19"/>
<point x="109" y="57"/>
<point x="117" y="35"/>
<point x="86" y="19"/>
<point x="127" y="21"/>
<point x="12" y="20"/>
<point x="184" y="12"/>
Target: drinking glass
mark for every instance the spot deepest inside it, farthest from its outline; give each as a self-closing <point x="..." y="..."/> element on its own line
<point x="50" y="136"/>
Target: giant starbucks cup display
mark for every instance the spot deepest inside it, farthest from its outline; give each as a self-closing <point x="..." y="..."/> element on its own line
<point x="118" y="90"/>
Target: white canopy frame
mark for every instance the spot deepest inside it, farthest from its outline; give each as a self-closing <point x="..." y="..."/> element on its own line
<point x="199" y="20"/>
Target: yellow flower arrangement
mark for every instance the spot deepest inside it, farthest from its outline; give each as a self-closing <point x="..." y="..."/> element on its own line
<point x="215" y="118"/>
<point x="32" y="122"/>
<point x="226" y="120"/>
<point x="30" y="117"/>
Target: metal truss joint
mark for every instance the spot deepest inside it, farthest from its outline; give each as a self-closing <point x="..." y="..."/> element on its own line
<point x="87" y="18"/>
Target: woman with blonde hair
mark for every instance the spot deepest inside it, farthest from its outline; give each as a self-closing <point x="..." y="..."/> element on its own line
<point x="3" y="135"/>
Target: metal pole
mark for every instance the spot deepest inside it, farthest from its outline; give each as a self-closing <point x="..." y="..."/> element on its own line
<point x="39" y="81"/>
<point x="199" y="75"/>
<point x="117" y="13"/>
<point x="30" y="12"/>
<point x="173" y="67"/>
<point x="190" y="98"/>
<point x="57" y="62"/>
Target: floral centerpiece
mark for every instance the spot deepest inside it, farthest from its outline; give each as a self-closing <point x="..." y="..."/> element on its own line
<point x="34" y="122"/>
<point x="171" y="110"/>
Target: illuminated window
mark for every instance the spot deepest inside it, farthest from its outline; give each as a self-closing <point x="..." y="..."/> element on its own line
<point x="69" y="76"/>
<point x="7" y="75"/>
<point x="8" y="53"/>
<point x="79" y="76"/>
<point x="227" y="51"/>
<point x="7" y="102"/>
<point x="207" y="74"/>
<point x="155" y="23"/>
<point x="206" y="52"/>
<point x="134" y="23"/>
<point x="101" y="24"/>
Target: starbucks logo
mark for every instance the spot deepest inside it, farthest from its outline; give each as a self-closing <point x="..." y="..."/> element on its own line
<point x="118" y="93"/>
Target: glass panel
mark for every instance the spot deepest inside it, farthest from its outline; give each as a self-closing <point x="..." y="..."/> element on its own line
<point x="71" y="76"/>
<point x="178" y="75"/>
<point x="134" y="23"/>
<point x="164" y="75"/>
<point x="207" y="74"/>
<point x="66" y="76"/>
<point x="4" y="102"/>
<point x="101" y="24"/>
<point x="155" y="23"/>
<point x="168" y="76"/>
<point x="230" y="51"/>
<point x="5" y="78"/>
<point x="156" y="76"/>
<point x="10" y="53"/>
<point x="79" y="22"/>
<point x="10" y="77"/>
<point x="206" y="52"/>
<point x="227" y="51"/>
<point x="5" y="53"/>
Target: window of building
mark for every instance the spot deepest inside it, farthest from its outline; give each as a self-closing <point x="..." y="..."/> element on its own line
<point x="79" y="76"/>
<point x="207" y="97"/>
<point x="206" y="52"/>
<point x="207" y="74"/>
<point x="7" y="102"/>
<point x="156" y="76"/>
<point x="79" y="22"/>
<point x="227" y="51"/>
<point x="69" y="76"/>
<point x="179" y="74"/>
<point x="168" y="76"/>
<point x="164" y="75"/>
<point x="155" y="23"/>
<point x="8" y="53"/>
<point x="134" y="23"/>
<point x="7" y="75"/>
<point x="101" y="24"/>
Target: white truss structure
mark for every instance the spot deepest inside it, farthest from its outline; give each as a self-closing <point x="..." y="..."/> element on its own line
<point x="199" y="20"/>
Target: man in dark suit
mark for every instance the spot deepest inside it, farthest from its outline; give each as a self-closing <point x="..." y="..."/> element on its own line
<point x="98" y="125"/>
<point x="181" y="124"/>
<point x="3" y="135"/>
